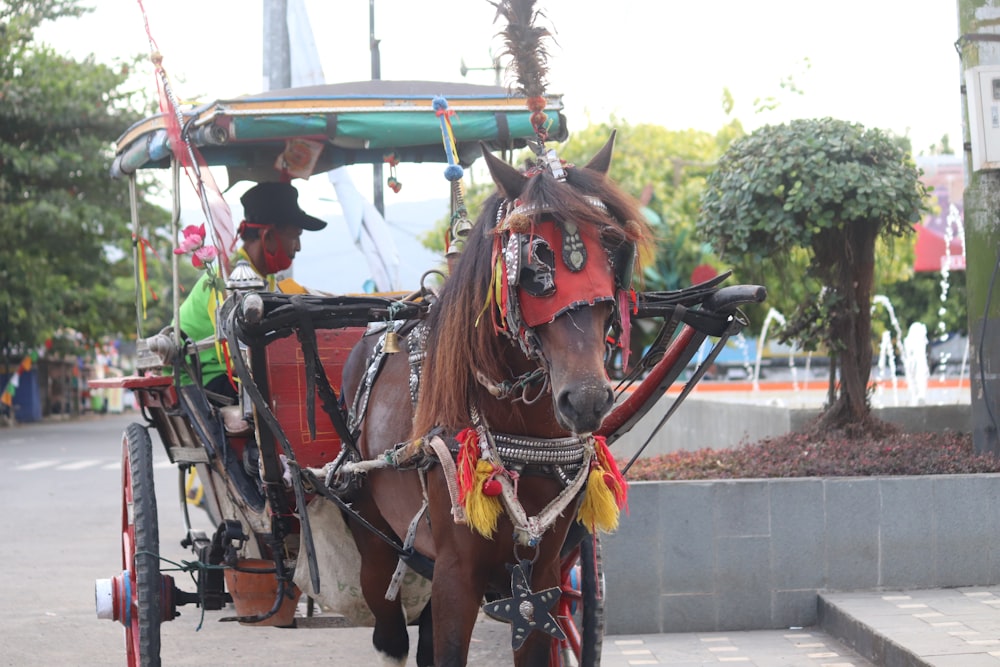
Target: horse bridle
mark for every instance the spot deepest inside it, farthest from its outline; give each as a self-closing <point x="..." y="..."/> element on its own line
<point x="527" y="265"/>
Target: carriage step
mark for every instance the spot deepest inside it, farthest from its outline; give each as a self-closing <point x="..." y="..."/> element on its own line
<point x="188" y="455"/>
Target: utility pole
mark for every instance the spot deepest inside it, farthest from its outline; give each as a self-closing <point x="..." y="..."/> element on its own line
<point x="377" y="190"/>
<point x="979" y="45"/>
<point x="277" y="58"/>
<point x="277" y="51"/>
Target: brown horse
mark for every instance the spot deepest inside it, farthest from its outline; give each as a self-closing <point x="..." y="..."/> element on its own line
<point x="525" y="312"/>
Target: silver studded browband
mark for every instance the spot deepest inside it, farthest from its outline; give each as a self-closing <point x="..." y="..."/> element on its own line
<point x="525" y="209"/>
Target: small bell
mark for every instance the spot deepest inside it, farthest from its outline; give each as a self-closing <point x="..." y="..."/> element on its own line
<point x="391" y="343"/>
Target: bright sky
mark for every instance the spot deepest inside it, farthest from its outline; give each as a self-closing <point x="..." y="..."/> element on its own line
<point x="889" y="64"/>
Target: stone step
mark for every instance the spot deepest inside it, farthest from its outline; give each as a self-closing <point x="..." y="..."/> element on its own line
<point x="948" y="627"/>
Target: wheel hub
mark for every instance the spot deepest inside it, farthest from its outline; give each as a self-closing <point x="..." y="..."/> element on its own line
<point x="115" y="598"/>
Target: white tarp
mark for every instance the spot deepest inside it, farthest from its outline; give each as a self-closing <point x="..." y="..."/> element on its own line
<point x="339" y="564"/>
<point x="368" y="228"/>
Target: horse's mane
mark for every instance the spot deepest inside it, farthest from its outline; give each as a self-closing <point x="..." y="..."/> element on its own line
<point x="462" y="338"/>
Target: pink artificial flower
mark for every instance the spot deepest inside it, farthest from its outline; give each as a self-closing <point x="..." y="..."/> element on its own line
<point x="204" y="254"/>
<point x="194" y="238"/>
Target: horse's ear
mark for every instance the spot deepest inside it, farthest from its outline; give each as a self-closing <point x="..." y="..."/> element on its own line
<point x="507" y="178"/>
<point x="602" y="161"/>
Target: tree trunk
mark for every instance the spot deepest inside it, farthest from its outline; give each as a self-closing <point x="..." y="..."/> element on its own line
<point x="851" y="325"/>
<point x="831" y="387"/>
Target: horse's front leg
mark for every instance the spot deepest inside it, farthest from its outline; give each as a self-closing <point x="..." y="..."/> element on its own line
<point x="456" y="593"/>
<point x="389" y="637"/>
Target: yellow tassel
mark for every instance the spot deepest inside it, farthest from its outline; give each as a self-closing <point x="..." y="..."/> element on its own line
<point x="598" y="510"/>
<point x="482" y="511"/>
<point x="494" y="290"/>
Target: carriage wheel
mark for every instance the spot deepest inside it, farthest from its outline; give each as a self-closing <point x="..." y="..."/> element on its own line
<point x="581" y="607"/>
<point x="139" y="597"/>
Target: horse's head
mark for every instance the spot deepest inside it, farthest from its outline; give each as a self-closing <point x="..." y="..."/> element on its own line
<point x="548" y="265"/>
<point x="564" y="248"/>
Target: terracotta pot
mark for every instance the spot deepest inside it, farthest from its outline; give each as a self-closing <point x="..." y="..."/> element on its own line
<point x="254" y="593"/>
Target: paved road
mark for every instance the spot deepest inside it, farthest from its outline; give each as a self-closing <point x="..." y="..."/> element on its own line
<point x="61" y="525"/>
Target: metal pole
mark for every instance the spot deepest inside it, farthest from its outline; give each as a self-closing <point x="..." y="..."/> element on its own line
<point x="977" y="45"/>
<point x="377" y="189"/>
<point x="277" y="58"/>
<point x="277" y="51"/>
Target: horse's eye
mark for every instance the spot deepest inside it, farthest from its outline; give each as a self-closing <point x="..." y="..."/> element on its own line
<point x="538" y="264"/>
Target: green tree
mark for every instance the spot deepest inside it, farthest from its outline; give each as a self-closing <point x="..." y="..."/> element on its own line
<point x="67" y="242"/>
<point x="667" y="170"/>
<point x="818" y="194"/>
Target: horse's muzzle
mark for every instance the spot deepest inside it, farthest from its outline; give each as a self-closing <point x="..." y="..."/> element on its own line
<point x="581" y="409"/>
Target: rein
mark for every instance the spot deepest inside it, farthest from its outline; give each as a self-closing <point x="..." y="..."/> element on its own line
<point x="516" y="389"/>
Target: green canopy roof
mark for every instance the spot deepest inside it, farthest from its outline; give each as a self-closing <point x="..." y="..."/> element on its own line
<point x="356" y="123"/>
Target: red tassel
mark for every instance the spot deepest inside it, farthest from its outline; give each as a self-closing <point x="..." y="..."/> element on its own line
<point x="612" y="475"/>
<point x="468" y="456"/>
<point x="492" y="488"/>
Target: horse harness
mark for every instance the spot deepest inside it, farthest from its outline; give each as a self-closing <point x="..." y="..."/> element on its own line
<point x="567" y="458"/>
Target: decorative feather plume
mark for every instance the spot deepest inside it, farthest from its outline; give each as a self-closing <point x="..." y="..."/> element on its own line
<point x="524" y="43"/>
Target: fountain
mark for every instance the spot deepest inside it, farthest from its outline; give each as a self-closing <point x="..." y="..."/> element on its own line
<point x="772" y="316"/>
<point x="886" y="361"/>
<point x="916" y="368"/>
<point x="912" y="351"/>
<point x="740" y="341"/>
<point x="953" y="223"/>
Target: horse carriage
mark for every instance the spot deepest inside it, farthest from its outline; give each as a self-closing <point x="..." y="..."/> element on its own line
<point x="460" y="434"/>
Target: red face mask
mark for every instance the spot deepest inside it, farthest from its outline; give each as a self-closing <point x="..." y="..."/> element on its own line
<point x="593" y="283"/>
<point x="275" y="262"/>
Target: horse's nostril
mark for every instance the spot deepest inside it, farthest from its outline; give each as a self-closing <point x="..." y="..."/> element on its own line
<point x="564" y="403"/>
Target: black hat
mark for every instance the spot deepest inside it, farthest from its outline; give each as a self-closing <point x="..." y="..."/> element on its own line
<point x="277" y="204"/>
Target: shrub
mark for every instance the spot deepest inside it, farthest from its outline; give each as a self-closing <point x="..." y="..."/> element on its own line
<point x="886" y="451"/>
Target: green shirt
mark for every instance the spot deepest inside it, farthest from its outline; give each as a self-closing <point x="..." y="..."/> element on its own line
<point x="197" y="317"/>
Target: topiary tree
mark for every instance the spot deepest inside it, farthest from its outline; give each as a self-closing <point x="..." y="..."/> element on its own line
<point x="818" y="193"/>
